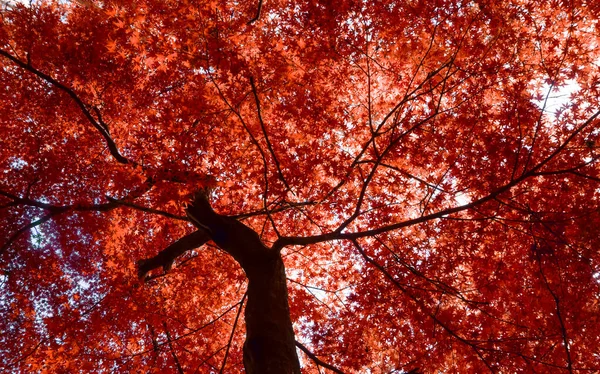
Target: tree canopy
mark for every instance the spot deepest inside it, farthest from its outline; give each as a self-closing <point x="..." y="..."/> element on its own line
<point x="427" y="171"/>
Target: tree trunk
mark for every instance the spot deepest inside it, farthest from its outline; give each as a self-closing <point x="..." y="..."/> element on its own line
<point x="270" y="346"/>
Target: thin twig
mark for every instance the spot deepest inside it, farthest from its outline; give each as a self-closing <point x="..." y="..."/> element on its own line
<point x="232" y="333"/>
<point x="257" y="15"/>
<point x="177" y="364"/>
<point x="23" y="229"/>
<point x="264" y="131"/>
<point x="147" y="210"/>
<point x="316" y="360"/>
<point x="422" y="306"/>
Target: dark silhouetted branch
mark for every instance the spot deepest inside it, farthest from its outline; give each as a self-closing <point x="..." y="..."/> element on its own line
<point x="177" y="364"/>
<point x="147" y="210"/>
<point x="264" y="131"/>
<point x="98" y="124"/>
<point x="258" y="11"/>
<point x="23" y="229"/>
<point x="167" y="256"/>
<point x="316" y="360"/>
<point x="422" y="306"/>
<point x="237" y="317"/>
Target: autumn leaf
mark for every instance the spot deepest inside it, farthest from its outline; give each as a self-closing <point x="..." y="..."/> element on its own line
<point x="299" y="187"/>
<point x="111" y="46"/>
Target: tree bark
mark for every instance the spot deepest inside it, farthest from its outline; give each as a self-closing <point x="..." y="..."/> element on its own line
<point x="270" y="346"/>
<point x="167" y="256"/>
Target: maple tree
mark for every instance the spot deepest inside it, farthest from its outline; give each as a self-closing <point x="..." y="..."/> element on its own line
<point x="435" y="207"/>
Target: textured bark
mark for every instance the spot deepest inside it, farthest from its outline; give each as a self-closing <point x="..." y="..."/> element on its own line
<point x="270" y="346"/>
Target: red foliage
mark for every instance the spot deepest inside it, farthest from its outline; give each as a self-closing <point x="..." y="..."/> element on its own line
<point x="436" y="206"/>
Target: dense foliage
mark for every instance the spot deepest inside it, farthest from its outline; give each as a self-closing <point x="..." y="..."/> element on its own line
<point x="429" y="171"/>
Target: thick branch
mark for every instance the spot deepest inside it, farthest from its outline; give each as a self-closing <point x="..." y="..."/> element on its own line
<point x="26" y="201"/>
<point x="167" y="256"/>
<point x="164" y="259"/>
<point x="53" y="210"/>
<point x="58" y="208"/>
<point x="284" y="241"/>
<point x="232" y="236"/>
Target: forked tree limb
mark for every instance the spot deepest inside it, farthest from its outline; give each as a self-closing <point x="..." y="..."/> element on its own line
<point x="531" y="173"/>
<point x="146" y="209"/>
